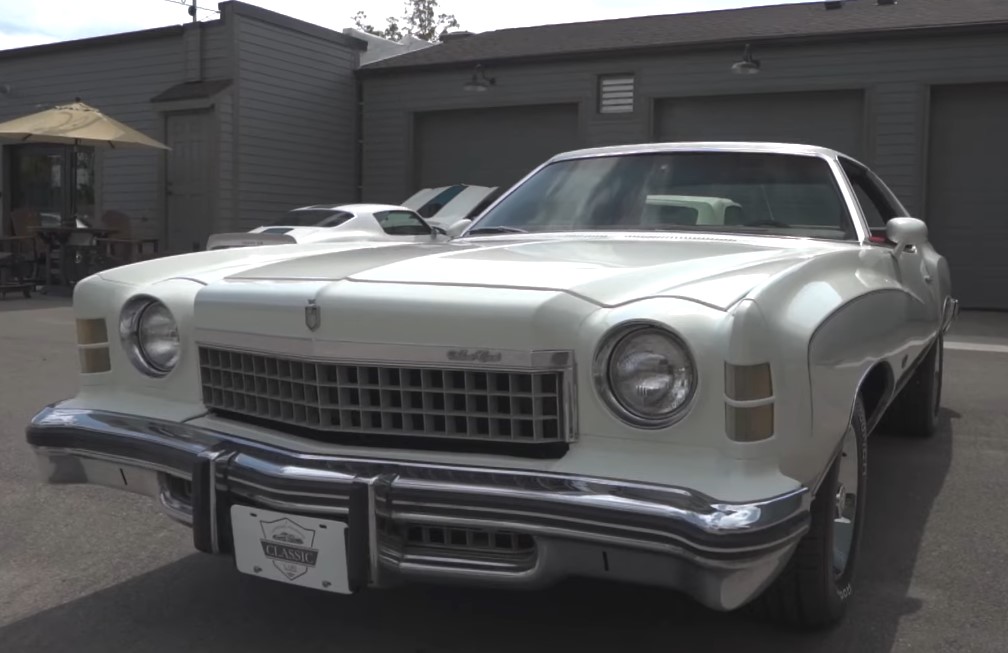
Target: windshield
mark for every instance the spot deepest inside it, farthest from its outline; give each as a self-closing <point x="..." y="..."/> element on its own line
<point x="730" y="192"/>
<point x="311" y="218"/>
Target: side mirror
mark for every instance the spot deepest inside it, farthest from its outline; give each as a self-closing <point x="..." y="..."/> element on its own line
<point x="906" y="232"/>
<point x="458" y="227"/>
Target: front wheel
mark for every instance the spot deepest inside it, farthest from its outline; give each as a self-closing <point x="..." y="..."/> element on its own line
<point x="816" y="585"/>
<point x="915" y="410"/>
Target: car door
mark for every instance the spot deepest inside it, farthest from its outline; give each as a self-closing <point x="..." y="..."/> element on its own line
<point x="879" y="205"/>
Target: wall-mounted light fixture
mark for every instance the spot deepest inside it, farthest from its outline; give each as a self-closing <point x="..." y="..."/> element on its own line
<point x="479" y="82"/>
<point x="748" y="65"/>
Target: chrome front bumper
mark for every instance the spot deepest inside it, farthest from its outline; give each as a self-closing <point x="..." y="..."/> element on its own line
<point x="720" y="554"/>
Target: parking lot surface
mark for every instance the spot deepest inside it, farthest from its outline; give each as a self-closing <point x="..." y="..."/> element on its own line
<point x="87" y="569"/>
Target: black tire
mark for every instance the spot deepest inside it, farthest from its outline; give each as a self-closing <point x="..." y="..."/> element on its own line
<point x="809" y="593"/>
<point x="915" y="411"/>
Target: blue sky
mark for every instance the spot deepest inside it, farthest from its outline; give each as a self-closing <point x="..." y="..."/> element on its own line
<point x="32" y="22"/>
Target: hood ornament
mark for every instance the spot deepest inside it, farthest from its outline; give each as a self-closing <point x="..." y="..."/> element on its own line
<point x="312" y="315"/>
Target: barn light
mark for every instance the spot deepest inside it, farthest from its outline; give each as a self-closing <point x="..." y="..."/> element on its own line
<point x="479" y="81"/>
<point x="748" y="65"/>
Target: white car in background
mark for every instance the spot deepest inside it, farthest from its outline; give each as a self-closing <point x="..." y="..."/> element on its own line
<point x="332" y="223"/>
<point x="446" y="206"/>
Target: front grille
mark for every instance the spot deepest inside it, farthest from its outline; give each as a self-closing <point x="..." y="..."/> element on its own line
<point x="469" y="539"/>
<point x="503" y="406"/>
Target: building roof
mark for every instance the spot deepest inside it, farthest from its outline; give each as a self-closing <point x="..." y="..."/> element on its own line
<point x="192" y="90"/>
<point x="777" y="22"/>
<point x="379" y="48"/>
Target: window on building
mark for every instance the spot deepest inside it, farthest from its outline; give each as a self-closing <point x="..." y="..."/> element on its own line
<point x="41" y="174"/>
<point x="616" y="93"/>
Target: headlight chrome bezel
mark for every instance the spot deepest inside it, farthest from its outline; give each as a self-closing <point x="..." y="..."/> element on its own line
<point x="602" y="365"/>
<point x="130" y="321"/>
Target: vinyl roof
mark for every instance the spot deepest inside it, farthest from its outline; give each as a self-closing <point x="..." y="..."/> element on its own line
<point x="805" y="20"/>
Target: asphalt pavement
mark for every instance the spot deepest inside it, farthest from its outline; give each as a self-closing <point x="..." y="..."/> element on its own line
<point x="87" y="569"/>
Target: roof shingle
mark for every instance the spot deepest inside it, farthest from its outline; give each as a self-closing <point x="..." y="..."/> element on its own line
<point x="758" y="23"/>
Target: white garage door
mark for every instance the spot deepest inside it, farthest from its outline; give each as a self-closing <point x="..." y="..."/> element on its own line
<point x="829" y="118"/>
<point x="489" y="147"/>
<point x="967" y="199"/>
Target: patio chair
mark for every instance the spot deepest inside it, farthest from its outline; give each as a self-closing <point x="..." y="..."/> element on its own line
<point x="122" y="246"/>
<point x="15" y="266"/>
<point x="30" y="250"/>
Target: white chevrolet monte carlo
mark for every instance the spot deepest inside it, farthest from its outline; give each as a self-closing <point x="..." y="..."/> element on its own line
<point x="584" y="383"/>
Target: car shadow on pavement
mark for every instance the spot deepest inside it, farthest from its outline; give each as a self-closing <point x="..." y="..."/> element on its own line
<point x="200" y="603"/>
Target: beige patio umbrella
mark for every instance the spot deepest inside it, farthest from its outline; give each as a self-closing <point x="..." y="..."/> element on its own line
<point x="76" y="124"/>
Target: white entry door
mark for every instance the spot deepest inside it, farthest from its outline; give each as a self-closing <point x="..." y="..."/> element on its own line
<point x="187" y="180"/>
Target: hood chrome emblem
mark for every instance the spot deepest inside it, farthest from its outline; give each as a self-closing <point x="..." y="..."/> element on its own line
<point x="312" y="316"/>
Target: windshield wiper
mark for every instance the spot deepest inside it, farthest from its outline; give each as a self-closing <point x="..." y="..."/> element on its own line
<point x="495" y="230"/>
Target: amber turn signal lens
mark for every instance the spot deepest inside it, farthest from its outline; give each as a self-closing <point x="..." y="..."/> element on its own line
<point x="93" y="361"/>
<point x="91" y="332"/>
<point x="749" y="424"/>
<point x="748" y="382"/>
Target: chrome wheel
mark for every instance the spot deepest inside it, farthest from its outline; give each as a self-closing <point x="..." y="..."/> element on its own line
<point x="845" y="503"/>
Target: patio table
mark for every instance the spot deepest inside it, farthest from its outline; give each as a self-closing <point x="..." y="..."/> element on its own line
<point x="58" y="238"/>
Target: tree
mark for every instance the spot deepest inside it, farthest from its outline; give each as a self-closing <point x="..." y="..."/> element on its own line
<point x="420" y="18"/>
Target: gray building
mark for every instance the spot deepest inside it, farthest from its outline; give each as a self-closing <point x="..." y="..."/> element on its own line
<point x="918" y="90"/>
<point x="260" y="111"/>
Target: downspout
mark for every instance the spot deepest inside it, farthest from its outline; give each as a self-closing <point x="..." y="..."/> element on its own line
<point x="360" y="139"/>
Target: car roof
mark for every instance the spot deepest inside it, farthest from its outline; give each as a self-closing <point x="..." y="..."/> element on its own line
<point x="354" y="208"/>
<point x="703" y="146"/>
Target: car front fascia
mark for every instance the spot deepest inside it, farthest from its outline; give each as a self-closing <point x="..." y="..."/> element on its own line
<point x="722" y="554"/>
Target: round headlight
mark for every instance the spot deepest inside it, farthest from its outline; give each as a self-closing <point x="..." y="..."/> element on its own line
<point x="150" y="336"/>
<point x="646" y="374"/>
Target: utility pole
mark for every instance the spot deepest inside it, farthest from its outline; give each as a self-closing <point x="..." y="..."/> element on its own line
<point x="192" y="10"/>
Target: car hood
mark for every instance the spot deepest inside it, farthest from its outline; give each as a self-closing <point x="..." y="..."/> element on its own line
<point x="604" y="270"/>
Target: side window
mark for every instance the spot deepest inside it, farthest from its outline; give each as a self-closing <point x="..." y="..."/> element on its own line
<point x="871" y="210"/>
<point x="336" y="219"/>
<point x="402" y="223"/>
<point x="874" y="201"/>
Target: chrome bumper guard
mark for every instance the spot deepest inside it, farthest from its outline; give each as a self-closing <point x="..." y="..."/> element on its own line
<point x="722" y="554"/>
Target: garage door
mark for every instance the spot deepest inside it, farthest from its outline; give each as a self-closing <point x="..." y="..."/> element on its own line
<point x="967" y="199"/>
<point x="831" y="119"/>
<point x="489" y="147"/>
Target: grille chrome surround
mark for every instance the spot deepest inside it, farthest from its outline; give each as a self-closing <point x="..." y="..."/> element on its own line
<point x="463" y="402"/>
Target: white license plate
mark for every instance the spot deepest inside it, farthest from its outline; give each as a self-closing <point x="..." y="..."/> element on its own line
<point x="290" y="549"/>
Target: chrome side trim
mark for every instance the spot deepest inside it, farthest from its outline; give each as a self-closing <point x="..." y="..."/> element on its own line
<point x="950" y="313"/>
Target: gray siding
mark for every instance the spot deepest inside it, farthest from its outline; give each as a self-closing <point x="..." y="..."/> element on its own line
<point x="894" y="75"/>
<point x="119" y="79"/>
<point x="225" y="201"/>
<point x="218" y="59"/>
<point x="295" y="120"/>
